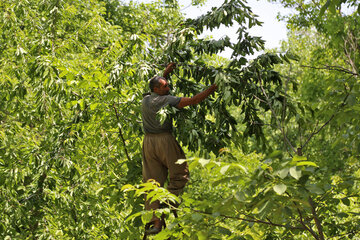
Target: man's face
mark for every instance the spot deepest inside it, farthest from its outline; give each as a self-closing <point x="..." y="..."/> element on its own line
<point x="163" y="89"/>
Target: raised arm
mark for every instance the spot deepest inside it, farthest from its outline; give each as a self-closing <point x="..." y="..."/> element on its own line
<point x="197" y="98"/>
<point x="170" y="67"/>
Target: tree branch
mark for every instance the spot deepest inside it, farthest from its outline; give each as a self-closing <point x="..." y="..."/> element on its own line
<point x="306" y="227"/>
<point x="319" y="236"/>
<point x="326" y="123"/>
<point x="351" y="40"/>
<point x="302" y="221"/>
<point x="316" y="219"/>
<point x="335" y="68"/>
<point x="259" y="98"/>
<point x="316" y="132"/>
<point x="121" y="134"/>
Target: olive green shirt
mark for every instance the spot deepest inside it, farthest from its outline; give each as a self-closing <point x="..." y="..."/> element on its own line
<point x="151" y="104"/>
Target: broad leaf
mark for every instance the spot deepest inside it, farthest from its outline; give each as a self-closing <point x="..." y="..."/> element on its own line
<point x="280" y="188"/>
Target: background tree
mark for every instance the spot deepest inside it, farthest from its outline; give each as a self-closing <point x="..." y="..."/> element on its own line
<point x="67" y="119"/>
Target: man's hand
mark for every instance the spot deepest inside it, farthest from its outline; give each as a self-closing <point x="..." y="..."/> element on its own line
<point x="185" y="101"/>
<point x="170" y="67"/>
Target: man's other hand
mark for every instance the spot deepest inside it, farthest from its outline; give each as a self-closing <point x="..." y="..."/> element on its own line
<point x="170" y="67"/>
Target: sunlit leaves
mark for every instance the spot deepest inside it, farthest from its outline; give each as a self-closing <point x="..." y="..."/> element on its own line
<point x="227" y="14"/>
<point x="62" y="108"/>
<point x="152" y="191"/>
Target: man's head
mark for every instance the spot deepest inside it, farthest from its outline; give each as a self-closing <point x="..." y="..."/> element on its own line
<point x="159" y="85"/>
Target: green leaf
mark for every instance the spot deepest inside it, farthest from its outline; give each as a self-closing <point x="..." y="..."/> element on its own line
<point x="93" y="106"/>
<point x="240" y="196"/>
<point x="203" y="162"/>
<point x="297" y="158"/>
<point x="323" y="8"/>
<point x="227" y="96"/>
<point x="147" y="216"/>
<point x="161" y="115"/>
<point x="98" y="191"/>
<point x="248" y="237"/>
<point x="342" y="215"/>
<point x="288" y="211"/>
<point x="346" y="201"/>
<point x="181" y="161"/>
<point x="133" y="216"/>
<point x="224" y="169"/>
<point x="239" y="166"/>
<point x="332" y="7"/>
<point x="264" y="208"/>
<point x="280" y="188"/>
<point x="224" y="231"/>
<point x="275" y="154"/>
<point x="197" y="217"/>
<point x="127" y="187"/>
<point x="295" y="172"/>
<point x="315" y="189"/>
<point x="306" y="163"/>
<point x="202" y="235"/>
<point x="283" y="173"/>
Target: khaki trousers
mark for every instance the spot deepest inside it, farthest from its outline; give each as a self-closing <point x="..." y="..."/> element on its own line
<point x="160" y="153"/>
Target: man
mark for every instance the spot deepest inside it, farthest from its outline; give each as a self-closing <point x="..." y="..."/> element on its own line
<point x="160" y="149"/>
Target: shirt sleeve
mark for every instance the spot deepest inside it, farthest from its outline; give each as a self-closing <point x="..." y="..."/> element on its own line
<point x="173" y="100"/>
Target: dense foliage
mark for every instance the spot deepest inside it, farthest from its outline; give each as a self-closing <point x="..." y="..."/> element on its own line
<point x="274" y="154"/>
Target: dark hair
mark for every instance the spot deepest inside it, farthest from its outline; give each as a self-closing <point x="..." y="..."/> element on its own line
<point x="155" y="82"/>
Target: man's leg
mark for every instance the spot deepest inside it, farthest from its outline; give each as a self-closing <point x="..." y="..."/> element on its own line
<point x="178" y="173"/>
<point x="153" y="168"/>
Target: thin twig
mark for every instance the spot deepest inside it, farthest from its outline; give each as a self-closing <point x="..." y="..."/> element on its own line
<point x="316" y="132"/>
<point x="335" y="68"/>
<point x="326" y="123"/>
<point x="121" y="134"/>
<point x="253" y="220"/>
<point x="309" y="229"/>
<point x="259" y="98"/>
<point x="316" y="219"/>
<point x="306" y="227"/>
